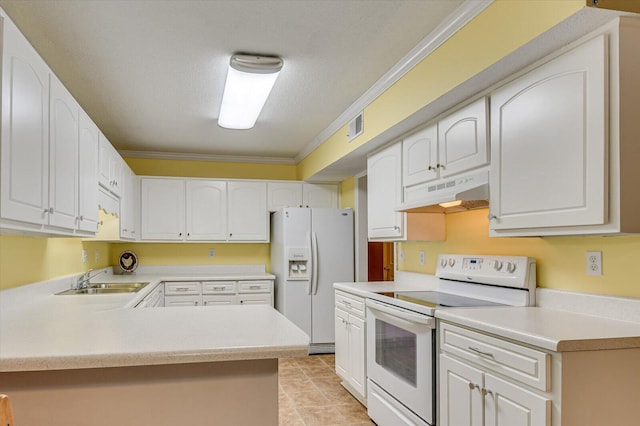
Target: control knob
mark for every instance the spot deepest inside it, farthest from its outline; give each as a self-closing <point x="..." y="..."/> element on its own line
<point x="443" y="262"/>
<point x="497" y="265"/>
<point x="511" y="267"/>
<point x="452" y="261"/>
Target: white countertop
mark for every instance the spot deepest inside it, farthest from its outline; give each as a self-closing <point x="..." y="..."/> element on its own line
<point x="42" y="331"/>
<point x="550" y="329"/>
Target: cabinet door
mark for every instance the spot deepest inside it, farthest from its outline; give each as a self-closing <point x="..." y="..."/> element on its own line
<point x="162" y="209"/>
<point x="248" y="218"/>
<point x="462" y="139"/>
<point x="206" y="210"/>
<point x="255" y="299"/>
<point x="460" y="394"/>
<point x="549" y="144"/>
<point x="507" y="404"/>
<point x="63" y="156"/>
<point x="229" y="299"/>
<point x="357" y="360"/>
<point x="129" y="204"/>
<point x="116" y="171"/>
<point x="319" y="195"/>
<point x="384" y="193"/>
<point x="420" y="156"/>
<point x="104" y="160"/>
<point x="88" y="147"/>
<point x="25" y="130"/>
<point x="178" y="301"/>
<point x="284" y="194"/>
<point x="341" y="324"/>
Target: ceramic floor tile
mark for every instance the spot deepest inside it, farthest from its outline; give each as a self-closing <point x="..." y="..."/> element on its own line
<point x="310" y="394"/>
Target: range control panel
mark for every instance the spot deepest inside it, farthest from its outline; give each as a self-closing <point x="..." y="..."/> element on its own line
<point x="503" y="271"/>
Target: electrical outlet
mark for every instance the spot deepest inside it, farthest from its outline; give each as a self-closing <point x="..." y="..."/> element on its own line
<point x="97" y="255"/>
<point x="401" y="255"/>
<point x="594" y="263"/>
<point x="421" y="257"/>
<point x="212" y="252"/>
<point x="84" y="256"/>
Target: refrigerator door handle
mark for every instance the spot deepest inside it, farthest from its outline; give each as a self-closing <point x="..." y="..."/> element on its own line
<point x="314" y="257"/>
<point x="312" y="266"/>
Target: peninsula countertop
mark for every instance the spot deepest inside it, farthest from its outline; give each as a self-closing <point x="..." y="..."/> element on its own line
<point x="43" y="331"/>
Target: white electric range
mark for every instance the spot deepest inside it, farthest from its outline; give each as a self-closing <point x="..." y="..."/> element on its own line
<point x="401" y="330"/>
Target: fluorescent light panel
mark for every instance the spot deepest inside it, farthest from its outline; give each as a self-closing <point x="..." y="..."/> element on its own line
<point x="249" y="82"/>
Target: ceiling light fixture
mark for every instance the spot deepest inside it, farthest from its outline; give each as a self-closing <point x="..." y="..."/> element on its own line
<point x="250" y="79"/>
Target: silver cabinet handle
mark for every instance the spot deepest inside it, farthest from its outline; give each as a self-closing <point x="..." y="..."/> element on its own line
<point x="182" y="288"/>
<point x="49" y="210"/>
<point x="254" y="287"/>
<point x="479" y="352"/>
<point x="491" y="216"/>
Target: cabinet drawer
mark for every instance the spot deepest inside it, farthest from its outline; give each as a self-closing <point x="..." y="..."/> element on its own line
<point x="182" y="288"/>
<point x="350" y="303"/>
<point x="515" y="361"/>
<point x="173" y="301"/>
<point x="254" y="286"/>
<point x="219" y="287"/>
<point x="254" y="299"/>
<point x="223" y="299"/>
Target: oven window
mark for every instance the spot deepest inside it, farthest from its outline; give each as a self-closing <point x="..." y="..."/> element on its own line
<point x="396" y="351"/>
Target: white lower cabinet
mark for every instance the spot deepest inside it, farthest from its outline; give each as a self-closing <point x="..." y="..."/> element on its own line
<point x="470" y="396"/>
<point x="350" y="343"/>
<point x="488" y="380"/>
<point x="216" y="293"/>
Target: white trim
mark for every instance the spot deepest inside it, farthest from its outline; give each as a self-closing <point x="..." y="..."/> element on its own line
<point x="454" y="22"/>
<point x="208" y="157"/>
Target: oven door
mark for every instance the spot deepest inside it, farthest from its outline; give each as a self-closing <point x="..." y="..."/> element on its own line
<point x="400" y="355"/>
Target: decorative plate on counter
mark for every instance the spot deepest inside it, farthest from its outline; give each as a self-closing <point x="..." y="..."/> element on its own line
<point x="128" y="261"/>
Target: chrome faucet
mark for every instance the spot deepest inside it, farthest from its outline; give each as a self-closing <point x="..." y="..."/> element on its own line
<point x="83" y="280"/>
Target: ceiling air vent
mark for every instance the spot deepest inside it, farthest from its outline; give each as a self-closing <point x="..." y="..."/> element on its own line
<point x="356" y="127"/>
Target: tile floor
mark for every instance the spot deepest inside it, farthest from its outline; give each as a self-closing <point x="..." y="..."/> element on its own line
<point x="311" y="394"/>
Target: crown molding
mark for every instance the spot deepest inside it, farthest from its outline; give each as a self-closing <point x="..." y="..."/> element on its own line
<point x="454" y="22"/>
<point x="208" y="157"/>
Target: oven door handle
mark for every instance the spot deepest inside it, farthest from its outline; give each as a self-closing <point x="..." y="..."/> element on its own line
<point x="402" y="313"/>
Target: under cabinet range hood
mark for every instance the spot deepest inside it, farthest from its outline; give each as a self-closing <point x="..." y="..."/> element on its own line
<point x="452" y="195"/>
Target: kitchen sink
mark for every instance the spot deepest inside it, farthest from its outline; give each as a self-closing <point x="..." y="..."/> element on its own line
<point x="106" y="288"/>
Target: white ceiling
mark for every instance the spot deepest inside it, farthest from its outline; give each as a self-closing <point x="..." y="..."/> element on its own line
<point x="151" y="73"/>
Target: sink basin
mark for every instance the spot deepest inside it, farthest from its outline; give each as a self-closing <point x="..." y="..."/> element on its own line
<point x="106" y="288"/>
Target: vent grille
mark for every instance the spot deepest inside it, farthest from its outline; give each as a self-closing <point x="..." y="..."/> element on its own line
<point x="356" y="126"/>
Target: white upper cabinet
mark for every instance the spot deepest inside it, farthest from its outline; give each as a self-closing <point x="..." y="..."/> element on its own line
<point x="284" y="194"/>
<point x="320" y="195"/>
<point x="111" y="167"/>
<point x="297" y="194"/>
<point x="455" y="144"/>
<point x="206" y="210"/>
<point x="176" y="209"/>
<point x="88" y="146"/>
<point x="558" y="165"/>
<point x="248" y="217"/>
<point x="384" y="193"/>
<point x="25" y="130"/>
<point x="63" y="157"/>
<point x="162" y="209"/>
<point x="420" y="156"/>
<point x="129" y="204"/>
<point x="462" y="139"/>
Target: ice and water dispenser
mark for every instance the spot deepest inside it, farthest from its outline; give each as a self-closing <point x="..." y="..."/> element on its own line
<point x="299" y="268"/>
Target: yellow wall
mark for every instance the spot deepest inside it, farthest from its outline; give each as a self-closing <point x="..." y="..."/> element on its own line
<point x="347" y="193"/>
<point x="502" y="28"/>
<point x="211" y="169"/>
<point x="25" y="260"/>
<point x="561" y="260"/>
<point x="195" y="254"/>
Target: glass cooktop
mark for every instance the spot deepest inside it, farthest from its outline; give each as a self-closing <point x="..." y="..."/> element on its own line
<point x="436" y="299"/>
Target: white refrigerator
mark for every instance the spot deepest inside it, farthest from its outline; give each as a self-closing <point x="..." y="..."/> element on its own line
<point x="310" y="250"/>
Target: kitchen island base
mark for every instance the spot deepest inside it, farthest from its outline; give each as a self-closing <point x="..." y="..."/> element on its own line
<point x="225" y="393"/>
